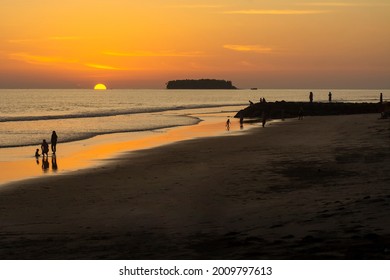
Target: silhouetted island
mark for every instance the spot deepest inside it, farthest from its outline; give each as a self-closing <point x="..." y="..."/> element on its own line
<point x="200" y="84"/>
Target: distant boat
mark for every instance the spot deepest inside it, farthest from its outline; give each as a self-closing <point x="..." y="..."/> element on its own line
<point x="254" y="88"/>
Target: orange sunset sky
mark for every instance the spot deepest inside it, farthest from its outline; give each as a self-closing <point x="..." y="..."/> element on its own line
<point x="143" y="44"/>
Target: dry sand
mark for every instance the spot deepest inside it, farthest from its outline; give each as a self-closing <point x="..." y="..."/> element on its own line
<point x="311" y="189"/>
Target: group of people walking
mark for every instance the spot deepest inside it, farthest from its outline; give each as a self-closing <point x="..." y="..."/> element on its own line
<point x="45" y="146"/>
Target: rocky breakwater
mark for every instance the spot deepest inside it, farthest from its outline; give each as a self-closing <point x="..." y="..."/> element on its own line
<point x="283" y="109"/>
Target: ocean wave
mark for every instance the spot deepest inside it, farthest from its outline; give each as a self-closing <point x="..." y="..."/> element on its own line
<point x="95" y="114"/>
<point x="78" y="136"/>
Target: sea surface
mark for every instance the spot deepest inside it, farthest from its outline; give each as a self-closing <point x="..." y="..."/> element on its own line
<point x="29" y="115"/>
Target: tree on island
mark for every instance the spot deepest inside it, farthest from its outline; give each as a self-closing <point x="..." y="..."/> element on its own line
<point x="200" y="84"/>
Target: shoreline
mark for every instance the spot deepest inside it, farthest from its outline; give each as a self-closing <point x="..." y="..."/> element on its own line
<point x="18" y="163"/>
<point x="310" y="189"/>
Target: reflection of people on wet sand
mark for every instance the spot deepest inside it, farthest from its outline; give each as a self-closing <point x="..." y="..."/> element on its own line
<point x="53" y="142"/>
<point x="37" y="155"/>
<point x="45" y="164"/>
<point x="45" y="148"/>
<point x="228" y="124"/>
<point x="54" y="165"/>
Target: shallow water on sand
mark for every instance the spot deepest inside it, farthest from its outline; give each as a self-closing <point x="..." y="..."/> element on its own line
<point x="28" y="116"/>
<point x="95" y="125"/>
<point x="18" y="163"/>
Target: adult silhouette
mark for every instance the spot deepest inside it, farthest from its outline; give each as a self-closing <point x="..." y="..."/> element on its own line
<point x="45" y="148"/>
<point x="53" y="142"/>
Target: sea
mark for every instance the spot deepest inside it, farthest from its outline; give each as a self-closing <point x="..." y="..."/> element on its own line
<point x="29" y="115"/>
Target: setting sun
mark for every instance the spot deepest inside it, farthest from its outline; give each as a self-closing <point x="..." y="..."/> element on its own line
<point x="272" y="44"/>
<point x="100" y="87"/>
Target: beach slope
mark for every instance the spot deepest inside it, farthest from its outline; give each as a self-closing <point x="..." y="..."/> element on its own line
<point x="310" y="189"/>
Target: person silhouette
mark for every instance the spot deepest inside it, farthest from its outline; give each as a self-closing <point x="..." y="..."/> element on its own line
<point x="311" y="97"/>
<point x="330" y="96"/>
<point x="381" y="98"/>
<point x="54" y="142"/>
<point x="45" y="148"/>
<point x="228" y="124"/>
<point x="300" y="113"/>
<point x="264" y="118"/>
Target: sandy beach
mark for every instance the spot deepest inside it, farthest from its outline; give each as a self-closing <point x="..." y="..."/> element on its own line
<point x="311" y="189"/>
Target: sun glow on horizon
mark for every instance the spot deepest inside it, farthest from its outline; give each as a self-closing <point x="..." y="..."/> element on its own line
<point x="100" y="87"/>
<point x="278" y="44"/>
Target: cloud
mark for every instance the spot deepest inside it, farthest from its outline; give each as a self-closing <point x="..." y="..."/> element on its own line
<point x="103" y="67"/>
<point x="344" y="4"/>
<point x="276" y="12"/>
<point x="53" y="60"/>
<point x="152" y="54"/>
<point x="200" y="6"/>
<point x="17" y="41"/>
<point x="330" y="4"/>
<point x="38" y="59"/>
<point x="63" y="38"/>
<point x="249" y="48"/>
<point x="52" y="38"/>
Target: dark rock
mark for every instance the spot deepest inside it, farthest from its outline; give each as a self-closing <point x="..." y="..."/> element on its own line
<point x="281" y="110"/>
<point x="200" y="84"/>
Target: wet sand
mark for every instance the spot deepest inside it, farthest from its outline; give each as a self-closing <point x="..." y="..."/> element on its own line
<point x="19" y="163"/>
<point x="310" y="189"/>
